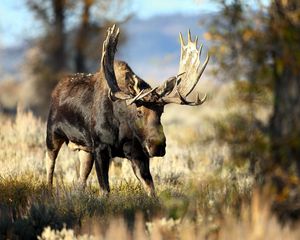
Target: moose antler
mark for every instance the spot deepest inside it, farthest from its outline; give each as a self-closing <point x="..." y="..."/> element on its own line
<point x="176" y="89"/>
<point x="107" y="68"/>
<point x="107" y="62"/>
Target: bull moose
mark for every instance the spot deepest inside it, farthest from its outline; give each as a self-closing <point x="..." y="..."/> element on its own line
<point x="114" y="113"/>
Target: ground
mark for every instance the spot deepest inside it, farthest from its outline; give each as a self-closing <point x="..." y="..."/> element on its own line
<point x="202" y="193"/>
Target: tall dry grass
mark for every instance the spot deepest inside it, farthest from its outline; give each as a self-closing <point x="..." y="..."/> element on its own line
<point x="202" y="193"/>
<point x="255" y="222"/>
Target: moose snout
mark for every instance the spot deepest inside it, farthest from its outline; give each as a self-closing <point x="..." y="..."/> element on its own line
<point x="156" y="148"/>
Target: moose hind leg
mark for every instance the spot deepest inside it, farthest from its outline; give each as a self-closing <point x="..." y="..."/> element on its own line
<point x="102" y="159"/>
<point x="142" y="172"/>
<point x="86" y="164"/>
<point x="53" y="147"/>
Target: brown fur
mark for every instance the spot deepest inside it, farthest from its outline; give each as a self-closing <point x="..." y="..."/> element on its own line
<point x="83" y="116"/>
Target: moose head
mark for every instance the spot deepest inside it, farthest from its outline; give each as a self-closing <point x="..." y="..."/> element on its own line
<point x="146" y="104"/>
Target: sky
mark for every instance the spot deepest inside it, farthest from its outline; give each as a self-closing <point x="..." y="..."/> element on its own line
<point x="16" y="21"/>
<point x="150" y="8"/>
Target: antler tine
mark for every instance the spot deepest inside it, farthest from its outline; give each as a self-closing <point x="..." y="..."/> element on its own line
<point x="200" y="50"/>
<point x="113" y="27"/>
<point x="203" y="66"/>
<point x="141" y="95"/>
<point x="131" y="101"/>
<point x="202" y="100"/>
<point x="189" y="36"/>
<point x="146" y="93"/>
<point x="196" y="41"/>
<point x="181" y="39"/>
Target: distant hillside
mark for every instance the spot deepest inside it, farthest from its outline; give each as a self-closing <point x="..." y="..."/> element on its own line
<point x="11" y="59"/>
<point x="152" y="48"/>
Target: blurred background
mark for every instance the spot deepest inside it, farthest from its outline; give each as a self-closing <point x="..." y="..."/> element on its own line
<point x="46" y="39"/>
<point x="253" y="78"/>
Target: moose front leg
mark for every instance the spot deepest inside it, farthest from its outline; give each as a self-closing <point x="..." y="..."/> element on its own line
<point x="140" y="166"/>
<point x="142" y="172"/>
<point x="102" y="159"/>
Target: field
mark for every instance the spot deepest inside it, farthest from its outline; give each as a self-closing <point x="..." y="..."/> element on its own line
<point x="202" y="192"/>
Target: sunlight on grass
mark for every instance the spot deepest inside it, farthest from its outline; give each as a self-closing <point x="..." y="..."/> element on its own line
<point x="201" y="192"/>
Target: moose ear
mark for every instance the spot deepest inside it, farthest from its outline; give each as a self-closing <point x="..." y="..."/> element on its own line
<point x="167" y="87"/>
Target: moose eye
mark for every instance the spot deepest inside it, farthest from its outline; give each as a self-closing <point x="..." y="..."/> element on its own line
<point x="139" y="114"/>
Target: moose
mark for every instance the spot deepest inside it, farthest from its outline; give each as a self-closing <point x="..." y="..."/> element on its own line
<point x="114" y="113"/>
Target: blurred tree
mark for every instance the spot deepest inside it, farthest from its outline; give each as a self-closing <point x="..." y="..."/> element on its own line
<point x="260" y="49"/>
<point x="81" y="39"/>
<point x="92" y="26"/>
<point x="285" y="51"/>
<point x="49" y="60"/>
<point x="240" y="48"/>
<point x="72" y="30"/>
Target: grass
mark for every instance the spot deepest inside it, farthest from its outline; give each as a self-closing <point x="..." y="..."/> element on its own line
<point x="212" y="209"/>
<point x="27" y="206"/>
<point x="202" y="192"/>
